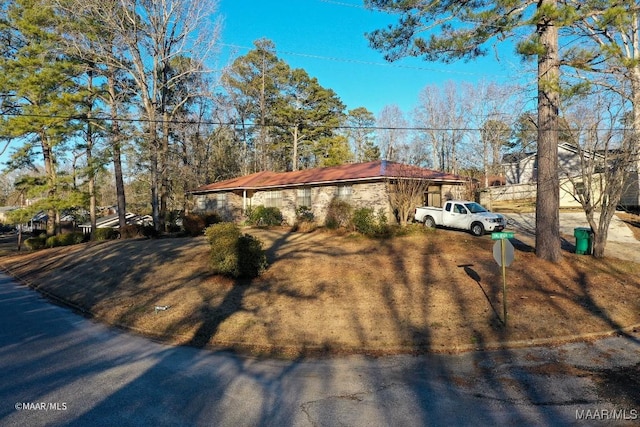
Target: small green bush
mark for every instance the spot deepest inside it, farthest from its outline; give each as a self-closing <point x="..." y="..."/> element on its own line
<point x="304" y="214"/>
<point x="105" y="234"/>
<point x="338" y="214"/>
<point x="53" y="241"/>
<point x="194" y="224"/>
<point x="373" y="225"/>
<point x="35" y="243"/>
<point x="263" y="216"/>
<point x="364" y="221"/>
<point x="305" y="220"/>
<point x="233" y="253"/>
<point x="43" y="241"/>
<point x="67" y="239"/>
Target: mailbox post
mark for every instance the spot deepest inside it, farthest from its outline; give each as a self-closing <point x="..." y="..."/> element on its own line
<point x="503" y="253"/>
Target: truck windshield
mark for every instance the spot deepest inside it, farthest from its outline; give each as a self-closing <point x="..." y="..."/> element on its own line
<point x="475" y="208"/>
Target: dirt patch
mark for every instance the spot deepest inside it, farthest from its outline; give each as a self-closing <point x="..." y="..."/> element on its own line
<point x="323" y="293"/>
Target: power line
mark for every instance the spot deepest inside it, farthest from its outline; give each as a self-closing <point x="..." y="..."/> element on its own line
<point x="356" y="6"/>
<point x="358" y="61"/>
<point x="258" y="125"/>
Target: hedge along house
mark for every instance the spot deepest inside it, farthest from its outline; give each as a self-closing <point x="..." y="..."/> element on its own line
<point x="362" y="185"/>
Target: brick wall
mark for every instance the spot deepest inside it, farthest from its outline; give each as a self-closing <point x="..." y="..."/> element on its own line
<point x="372" y="195"/>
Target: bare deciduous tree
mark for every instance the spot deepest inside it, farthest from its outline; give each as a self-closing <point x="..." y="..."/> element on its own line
<point x="158" y="45"/>
<point x="392" y="133"/>
<point x="406" y="190"/>
<point x="607" y="154"/>
<point x="443" y="118"/>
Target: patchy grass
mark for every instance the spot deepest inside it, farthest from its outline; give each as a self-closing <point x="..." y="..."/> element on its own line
<point x="329" y="293"/>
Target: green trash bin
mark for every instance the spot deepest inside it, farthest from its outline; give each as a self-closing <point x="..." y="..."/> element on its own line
<point x="583" y="240"/>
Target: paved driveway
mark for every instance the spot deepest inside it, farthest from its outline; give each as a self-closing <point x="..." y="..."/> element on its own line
<point x="526" y="223"/>
<point x="62" y="369"/>
<point x="621" y="242"/>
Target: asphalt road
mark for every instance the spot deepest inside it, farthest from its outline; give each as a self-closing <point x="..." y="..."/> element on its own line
<point x="58" y="368"/>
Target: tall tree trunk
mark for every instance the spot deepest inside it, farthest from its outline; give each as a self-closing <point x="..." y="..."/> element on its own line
<point x="548" y="185"/>
<point x="164" y="172"/>
<point x="294" y="159"/>
<point x="91" y="170"/>
<point x="155" y="181"/>
<point x="117" y="171"/>
<point x="50" y="172"/>
<point x="154" y="147"/>
<point x="117" y="155"/>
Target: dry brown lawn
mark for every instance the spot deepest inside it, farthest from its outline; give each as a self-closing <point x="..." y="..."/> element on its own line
<point x="328" y="293"/>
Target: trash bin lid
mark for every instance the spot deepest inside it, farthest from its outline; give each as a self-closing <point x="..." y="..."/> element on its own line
<point x="582" y="232"/>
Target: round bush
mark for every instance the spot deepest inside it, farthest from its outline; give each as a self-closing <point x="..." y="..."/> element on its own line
<point x="35" y="243"/>
<point x="263" y="216"/>
<point x="234" y="254"/>
<point x="105" y="234"/>
<point x="364" y="221"/>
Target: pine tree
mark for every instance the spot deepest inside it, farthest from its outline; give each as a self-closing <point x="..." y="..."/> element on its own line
<point x="38" y="80"/>
<point x="462" y="30"/>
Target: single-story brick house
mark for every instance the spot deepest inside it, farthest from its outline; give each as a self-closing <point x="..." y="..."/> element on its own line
<point x="360" y="184"/>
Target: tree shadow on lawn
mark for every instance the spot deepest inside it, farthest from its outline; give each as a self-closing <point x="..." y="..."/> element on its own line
<point x="565" y="245"/>
<point x="493" y="289"/>
<point x="214" y="315"/>
<point x="486" y="368"/>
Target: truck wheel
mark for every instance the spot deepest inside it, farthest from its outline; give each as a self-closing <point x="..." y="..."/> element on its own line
<point x="429" y="222"/>
<point x="477" y="229"/>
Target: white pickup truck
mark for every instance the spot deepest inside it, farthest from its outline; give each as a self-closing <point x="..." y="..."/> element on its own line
<point x="463" y="215"/>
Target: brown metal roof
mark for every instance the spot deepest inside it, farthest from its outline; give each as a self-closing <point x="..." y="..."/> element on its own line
<point x="375" y="170"/>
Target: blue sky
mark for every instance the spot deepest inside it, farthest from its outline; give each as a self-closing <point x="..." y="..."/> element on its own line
<point x="327" y="39"/>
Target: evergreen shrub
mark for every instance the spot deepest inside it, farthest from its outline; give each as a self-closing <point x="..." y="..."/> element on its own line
<point x="263" y="216"/>
<point x="338" y="214"/>
<point x="235" y="254"/>
<point x="106" y="233"/>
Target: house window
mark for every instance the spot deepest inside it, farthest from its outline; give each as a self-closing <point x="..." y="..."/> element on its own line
<point x="344" y="192"/>
<point x="213" y="202"/>
<point x="220" y="202"/>
<point x="579" y="187"/>
<point x="201" y="203"/>
<point x="304" y="197"/>
<point x="273" y="199"/>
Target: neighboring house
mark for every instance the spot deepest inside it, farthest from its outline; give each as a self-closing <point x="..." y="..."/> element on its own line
<point x="360" y="184"/>
<point x="521" y="171"/>
<point x="631" y="194"/>
<point x="111" y="221"/>
<point x="522" y="168"/>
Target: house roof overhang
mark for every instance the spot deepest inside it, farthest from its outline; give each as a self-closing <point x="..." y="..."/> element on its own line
<point x="380" y="170"/>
